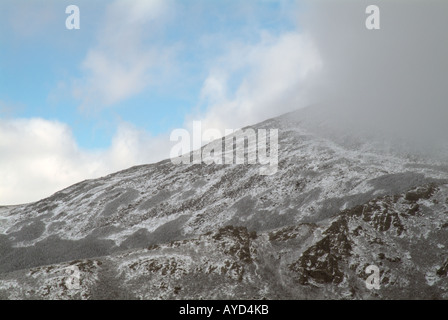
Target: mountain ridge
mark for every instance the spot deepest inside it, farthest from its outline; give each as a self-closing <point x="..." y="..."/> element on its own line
<point x="318" y="181"/>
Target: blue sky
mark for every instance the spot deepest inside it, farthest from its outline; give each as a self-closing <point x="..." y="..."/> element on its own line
<point x="38" y="65"/>
<point x="78" y="104"/>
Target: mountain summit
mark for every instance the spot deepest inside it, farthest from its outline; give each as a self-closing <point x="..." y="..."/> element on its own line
<point x="339" y="202"/>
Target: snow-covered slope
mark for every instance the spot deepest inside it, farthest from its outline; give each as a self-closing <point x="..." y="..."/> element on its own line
<point x="337" y="204"/>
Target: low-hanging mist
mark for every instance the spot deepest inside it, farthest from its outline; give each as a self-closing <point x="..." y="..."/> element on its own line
<point x="390" y="82"/>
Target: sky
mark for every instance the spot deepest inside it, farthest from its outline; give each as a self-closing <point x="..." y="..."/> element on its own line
<point x="81" y="104"/>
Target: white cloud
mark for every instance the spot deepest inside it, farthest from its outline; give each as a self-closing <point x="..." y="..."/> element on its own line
<point x="39" y="157"/>
<point x="277" y="72"/>
<point x="109" y="80"/>
<point x="133" y="146"/>
<point x="121" y="65"/>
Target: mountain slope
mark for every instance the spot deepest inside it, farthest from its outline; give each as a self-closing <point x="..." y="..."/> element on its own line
<point x="336" y="205"/>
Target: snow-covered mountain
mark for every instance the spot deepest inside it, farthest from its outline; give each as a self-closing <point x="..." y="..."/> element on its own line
<point x="338" y="203"/>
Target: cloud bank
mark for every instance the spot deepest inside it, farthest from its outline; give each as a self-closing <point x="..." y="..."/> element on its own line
<point x="40" y="157"/>
<point x="275" y="81"/>
<point x="391" y="81"/>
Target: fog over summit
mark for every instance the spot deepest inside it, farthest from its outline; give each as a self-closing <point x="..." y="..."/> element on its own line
<point x="392" y="81"/>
